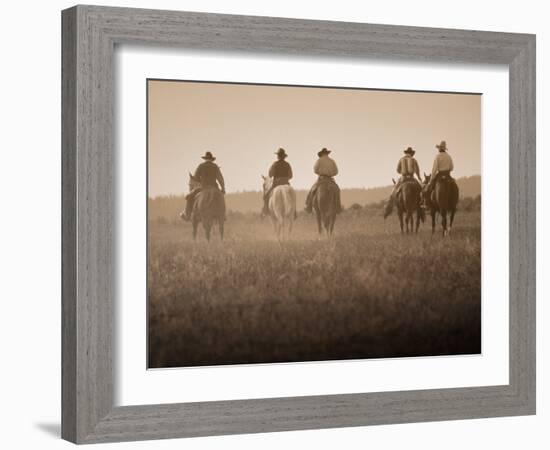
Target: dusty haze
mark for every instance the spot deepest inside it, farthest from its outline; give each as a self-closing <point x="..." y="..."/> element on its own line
<point x="243" y="125"/>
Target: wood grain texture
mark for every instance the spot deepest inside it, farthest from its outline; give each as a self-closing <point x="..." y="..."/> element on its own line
<point x="523" y="224"/>
<point x="68" y="226"/>
<point x="88" y="267"/>
<point x="89" y="36"/>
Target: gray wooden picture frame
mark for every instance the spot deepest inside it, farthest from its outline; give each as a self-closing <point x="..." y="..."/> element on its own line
<point x="90" y="34"/>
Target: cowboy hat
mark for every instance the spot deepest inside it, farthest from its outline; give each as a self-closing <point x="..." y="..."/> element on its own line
<point x="409" y="150"/>
<point x="281" y="153"/>
<point x="324" y="151"/>
<point x="442" y="146"/>
<point x="208" y="156"/>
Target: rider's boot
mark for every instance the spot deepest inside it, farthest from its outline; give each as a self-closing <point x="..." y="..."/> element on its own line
<point x="186" y="215"/>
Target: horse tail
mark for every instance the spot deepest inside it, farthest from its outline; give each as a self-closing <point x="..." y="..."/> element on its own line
<point x="210" y="205"/>
<point x="328" y="203"/>
<point x="410" y="196"/>
<point x="334" y="201"/>
<point x="446" y="195"/>
<point x="289" y="202"/>
<point x="454" y="195"/>
<point x="282" y="207"/>
<point x="283" y="202"/>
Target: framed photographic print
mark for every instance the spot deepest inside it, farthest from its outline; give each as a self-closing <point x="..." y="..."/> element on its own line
<point x="279" y="224"/>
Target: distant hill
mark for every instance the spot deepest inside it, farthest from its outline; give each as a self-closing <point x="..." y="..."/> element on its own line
<point x="251" y="201"/>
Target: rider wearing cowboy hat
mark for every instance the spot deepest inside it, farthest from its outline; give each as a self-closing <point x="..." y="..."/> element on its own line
<point x="443" y="165"/>
<point x="209" y="175"/>
<point x="407" y="167"/>
<point x="281" y="172"/>
<point x="325" y="167"/>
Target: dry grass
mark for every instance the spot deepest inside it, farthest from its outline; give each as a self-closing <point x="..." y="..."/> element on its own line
<point x="369" y="292"/>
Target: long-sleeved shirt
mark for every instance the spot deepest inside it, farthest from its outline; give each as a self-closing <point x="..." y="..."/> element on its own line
<point x="208" y="173"/>
<point x="442" y="161"/>
<point x="280" y="169"/>
<point x="408" y="166"/>
<point x="325" y="167"/>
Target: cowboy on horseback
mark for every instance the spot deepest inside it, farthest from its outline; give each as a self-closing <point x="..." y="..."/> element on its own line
<point x="443" y="165"/>
<point x="209" y="175"/>
<point x="441" y="193"/>
<point x="281" y="172"/>
<point x="407" y="167"/>
<point x="326" y="169"/>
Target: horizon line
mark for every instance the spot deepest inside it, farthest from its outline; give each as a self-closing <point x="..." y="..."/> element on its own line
<point x="300" y="189"/>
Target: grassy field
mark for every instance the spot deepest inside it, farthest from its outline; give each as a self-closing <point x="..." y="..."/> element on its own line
<point x="369" y="292"/>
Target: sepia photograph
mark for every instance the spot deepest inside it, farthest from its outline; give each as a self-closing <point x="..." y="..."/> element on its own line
<point x="291" y="224"/>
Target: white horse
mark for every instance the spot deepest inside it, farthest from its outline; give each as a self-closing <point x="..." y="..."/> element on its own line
<point x="282" y="208"/>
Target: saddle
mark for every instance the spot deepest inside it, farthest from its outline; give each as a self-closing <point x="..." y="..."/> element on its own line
<point x="280" y="181"/>
<point x="276" y="183"/>
<point x="444" y="177"/>
<point x="324" y="179"/>
<point x="208" y="187"/>
<point x="408" y="179"/>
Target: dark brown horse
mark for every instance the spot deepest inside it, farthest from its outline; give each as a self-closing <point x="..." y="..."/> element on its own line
<point x="326" y="204"/>
<point x="443" y="200"/>
<point x="209" y="208"/>
<point x="408" y="205"/>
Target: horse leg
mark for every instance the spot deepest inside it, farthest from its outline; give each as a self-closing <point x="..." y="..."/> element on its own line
<point x="290" y="224"/>
<point x="207" y="225"/>
<point x="451" y="219"/>
<point x="329" y="225"/>
<point x="289" y="227"/>
<point x="221" y="227"/>
<point x="400" y="214"/>
<point x="444" y="222"/>
<point x="195" y="226"/>
<point x="417" y="221"/>
<point x="319" y="224"/>
<point x="433" y="221"/>
<point x="275" y="226"/>
<point x="278" y="230"/>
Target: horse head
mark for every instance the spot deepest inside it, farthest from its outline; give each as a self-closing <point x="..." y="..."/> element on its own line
<point x="427" y="179"/>
<point x="193" y="182"/>
<point x="424" y="193"/>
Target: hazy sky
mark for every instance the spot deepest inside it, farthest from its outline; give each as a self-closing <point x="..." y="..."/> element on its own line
<point x="243" y="125"/>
